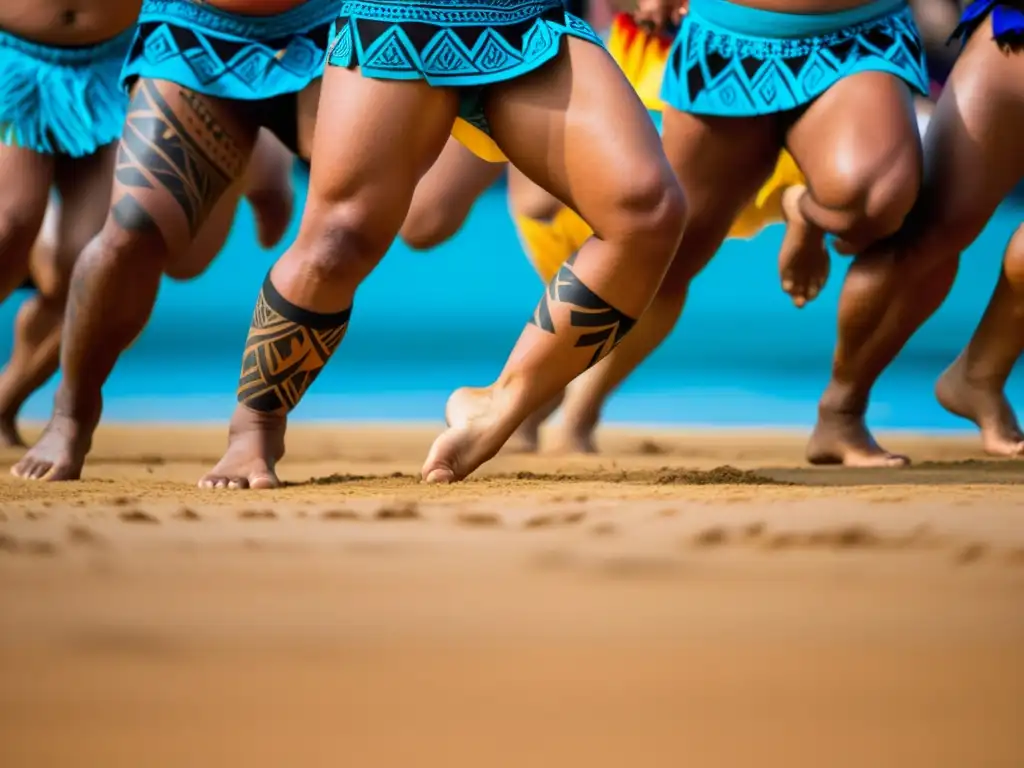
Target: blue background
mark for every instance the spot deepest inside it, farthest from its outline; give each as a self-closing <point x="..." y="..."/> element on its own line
<point x="425" y="323"/>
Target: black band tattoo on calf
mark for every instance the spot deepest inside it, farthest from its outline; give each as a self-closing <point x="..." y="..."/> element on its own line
<point x="287" y="348"/>
<point x="157" y="150"/>
<point x="602" y="324"/>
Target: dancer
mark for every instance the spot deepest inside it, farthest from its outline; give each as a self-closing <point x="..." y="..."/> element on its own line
<point x="204" y="78"/>
<point x="552" y="232"/>
<point x="559" y="108"/>
<point x="61" y="109"/>
<point x="834" y="87"/>
<point x="974" y="161"/>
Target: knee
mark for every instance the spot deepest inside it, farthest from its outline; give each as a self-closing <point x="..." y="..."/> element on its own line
<point x="864" y="205"/>
<point x="342" y="244"/>
<point x="1013" y="261"/>
<point x="651" y="209"/>
<point x="18" y="233"/>
<point x="429" y="227"/>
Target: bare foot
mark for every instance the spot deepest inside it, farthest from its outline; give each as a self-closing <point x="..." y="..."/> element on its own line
<point x="986" y="406"/>
<point x="526" y="439"/>
<point x="842" y="437"/>
<point x="473" y="436"/>
<point x="574" y="439"/>
<point x="255" y="445"/>
<point x="803" y="260"/>
<point x="60" y="452"/>
<point x="272" y="210"/>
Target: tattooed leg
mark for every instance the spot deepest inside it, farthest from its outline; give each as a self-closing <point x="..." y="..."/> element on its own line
<point x="178" y="153"/>
<point x="359" y="192"/>
<point x="577" y="129"/>
<point x="287" y="348"/>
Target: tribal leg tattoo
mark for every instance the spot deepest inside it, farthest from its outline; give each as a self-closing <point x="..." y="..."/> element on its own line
<point x="287" y="348"/>
<point x="188" y="156"/>
<point x="602" y="325"/>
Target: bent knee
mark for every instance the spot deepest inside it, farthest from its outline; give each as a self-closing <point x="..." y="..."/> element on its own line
<point x="650" y="207"/>
<point x="343" y="243"/>
<point x="864" y="205"/>
<point x="1013" y="261"/>
<point x="423" y="230"/>
<point x="18" y="233"/>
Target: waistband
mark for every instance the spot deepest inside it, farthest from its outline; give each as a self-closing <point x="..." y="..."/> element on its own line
<point x="756" y="22"/>
<point x="79" y="55"/>
<point x="301" y="18"/>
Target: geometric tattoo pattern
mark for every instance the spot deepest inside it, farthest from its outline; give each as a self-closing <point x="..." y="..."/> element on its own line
<point x="155" y="146"/>
<point x="603" y="325"/>
<point x="286" y="349"/>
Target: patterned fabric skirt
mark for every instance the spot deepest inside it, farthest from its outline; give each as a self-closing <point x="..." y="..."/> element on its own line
<point x="1007" y="22"/>
<point x="730" y="60"/>
<point x="227" y="55"/>
<point x="65" y="101"/>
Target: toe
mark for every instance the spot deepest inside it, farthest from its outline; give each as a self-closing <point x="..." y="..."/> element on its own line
<point x="440" y="476"/>
<point x="237" y="484"/>
<point x="261" y="481"/>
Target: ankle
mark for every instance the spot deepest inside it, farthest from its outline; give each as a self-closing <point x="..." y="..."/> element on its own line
<point x="844" y="397"/>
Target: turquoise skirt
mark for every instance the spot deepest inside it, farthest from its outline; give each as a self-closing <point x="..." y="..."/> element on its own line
<point x="730" y="60"/>
<point x="61" y="101"/>
<point x="227" y="55"/>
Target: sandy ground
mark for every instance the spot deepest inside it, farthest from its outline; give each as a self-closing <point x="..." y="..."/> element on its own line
<point x="642" y="608"/>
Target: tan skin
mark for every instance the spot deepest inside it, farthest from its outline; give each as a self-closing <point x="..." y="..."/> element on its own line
<point x="551" y="124"/>
<point x="149" y="232"/>
<point x="84" y="188"/>
<point x="973" y="161"/>
<point x="447" y="192"/>
<point x="863" y="177"/>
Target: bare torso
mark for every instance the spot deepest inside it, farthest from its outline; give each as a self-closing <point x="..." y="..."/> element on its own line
<point x="68" y="22"/>
<point x="84" y="22"/>
<point x="803" y="6"/>
<point x="255" y="7"/>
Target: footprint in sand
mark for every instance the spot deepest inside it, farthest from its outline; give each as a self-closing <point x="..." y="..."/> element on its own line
<point x="137" y="516"/>
<point x="339" y="514"/>
<point x="187" y="514"/>
<point x="478" y="519"/>
<point x="406" y="510"/>
<point x="257" y="514"/>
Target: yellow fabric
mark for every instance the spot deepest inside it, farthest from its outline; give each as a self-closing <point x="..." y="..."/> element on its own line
<point x="549" y="243"/>
<point x="766" y="207"/>
<point x="642" y="57"/>
<point x="477" y="142"/>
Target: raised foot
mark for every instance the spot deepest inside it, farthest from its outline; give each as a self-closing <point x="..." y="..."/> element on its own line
<point x="986" y="406"/>
<point x="255" y="445"/>
<point x="59" y="454"/>
<point x="803" y="260"/>
<point x="472" y="437"/>
<point x="843" y="438"/>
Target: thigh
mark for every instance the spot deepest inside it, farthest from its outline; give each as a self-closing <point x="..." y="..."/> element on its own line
<point x="525" y="198"/>
<point x="453" y="183"/>
<point x="973" y="156"/>
<point x="84" y="185"/>
<point x="25" y="192"/>
<point x="577" y="128"/>
<point x="179" y="152"/>
<point x="377" y="138"/>
<point x="307" y="104"/>
<point x="859" y="135"/>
